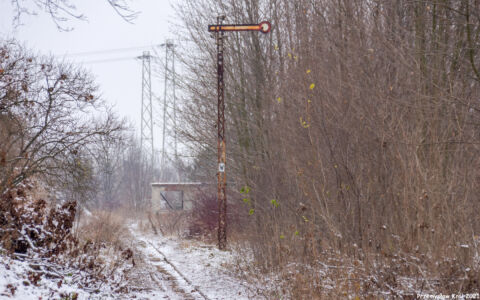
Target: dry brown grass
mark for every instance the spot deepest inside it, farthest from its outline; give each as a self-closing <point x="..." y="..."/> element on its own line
<point x="168" y="222"/>
<point x="104" y="248"/>
<point x="104" y="227"/>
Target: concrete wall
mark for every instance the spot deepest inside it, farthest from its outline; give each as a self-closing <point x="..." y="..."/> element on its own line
<point x="179" y="195"/>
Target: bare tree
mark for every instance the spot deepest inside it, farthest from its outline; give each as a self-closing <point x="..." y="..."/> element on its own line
<point x="135" y="176"/>
<point x="107" y="153"/>
<point x="61" y="11"/>
<point x="49" y="111"/>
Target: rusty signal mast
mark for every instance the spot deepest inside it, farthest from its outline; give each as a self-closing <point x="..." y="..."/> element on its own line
<point x="219" y="30"/>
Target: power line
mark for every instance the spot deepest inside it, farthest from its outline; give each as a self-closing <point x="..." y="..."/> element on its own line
<point x="108" y="51"/>
<point x="98" y="61"/>
<point x="112" y="59"/>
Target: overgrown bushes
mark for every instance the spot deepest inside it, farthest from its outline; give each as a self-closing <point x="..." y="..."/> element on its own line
<point x="41" y="233"/>
<point x="28" y="223"/>
<point x="354" y="125"/>
<point x="204" y="221"/>
<point x="50" y="117"/>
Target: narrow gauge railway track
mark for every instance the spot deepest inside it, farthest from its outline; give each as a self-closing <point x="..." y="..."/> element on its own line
<point x="194" y="289"/>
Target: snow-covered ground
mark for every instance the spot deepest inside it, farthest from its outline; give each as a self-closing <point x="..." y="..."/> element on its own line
<point x="15" y="283"/>
<point x="165" y="268"/>
<point x="201" y="271"/>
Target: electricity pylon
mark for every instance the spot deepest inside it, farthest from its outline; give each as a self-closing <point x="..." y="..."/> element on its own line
<point x="169" y="98"/>
<point x="146" y="129"/>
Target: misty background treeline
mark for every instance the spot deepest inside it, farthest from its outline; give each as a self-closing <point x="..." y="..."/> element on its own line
<point x="353" y="125"/>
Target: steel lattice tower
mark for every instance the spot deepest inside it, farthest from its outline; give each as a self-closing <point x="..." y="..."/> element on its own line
<point x="146" y="129"/>
<point x="169" y="98"/>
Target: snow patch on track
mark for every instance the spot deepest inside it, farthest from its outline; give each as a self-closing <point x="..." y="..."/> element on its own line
<point x="200" y="270"/>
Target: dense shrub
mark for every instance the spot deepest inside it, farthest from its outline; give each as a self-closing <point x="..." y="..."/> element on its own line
<point x="27" y="223"/>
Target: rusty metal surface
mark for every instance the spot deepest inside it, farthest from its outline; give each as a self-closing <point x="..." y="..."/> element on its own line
<point x="221" y="145"/>
<point x="219" y="30"/>
<point x="263" y="27"/>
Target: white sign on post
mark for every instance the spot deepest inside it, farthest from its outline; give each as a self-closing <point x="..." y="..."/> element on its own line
<point x="221" y="167"/>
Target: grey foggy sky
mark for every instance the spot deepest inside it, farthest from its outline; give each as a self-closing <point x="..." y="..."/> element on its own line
<point x="119" y="81"/>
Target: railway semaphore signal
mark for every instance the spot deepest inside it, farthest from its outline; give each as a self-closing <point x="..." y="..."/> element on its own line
<point x="263" y="27"/>
<point x="219" y="29"/>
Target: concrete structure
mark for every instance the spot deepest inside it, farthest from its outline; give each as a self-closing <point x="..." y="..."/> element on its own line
<point x="175" y="195"/>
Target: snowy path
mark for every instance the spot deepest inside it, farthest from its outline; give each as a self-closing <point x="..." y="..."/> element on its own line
<point x="170" y="268"/>
<point x="164" y="268"/>
<point x="189" y="270"/>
